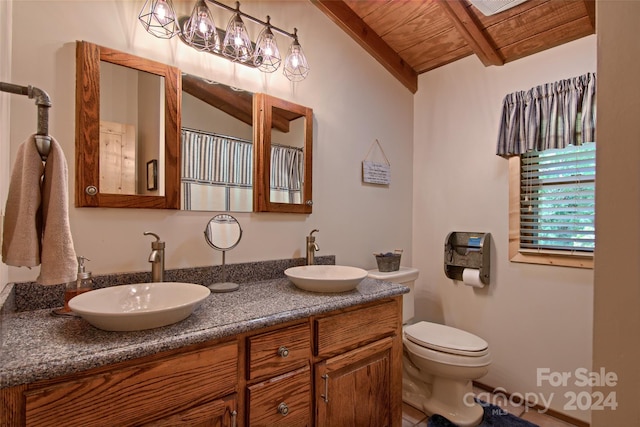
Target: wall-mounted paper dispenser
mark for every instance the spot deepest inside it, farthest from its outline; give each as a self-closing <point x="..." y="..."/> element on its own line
<point x="467" y="250"/>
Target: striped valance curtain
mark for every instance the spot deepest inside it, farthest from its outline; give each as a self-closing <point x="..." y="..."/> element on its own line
<point x="218" y="159"/>
<point x="553" y="115"/>
<point x="215" y="159"/>
<point x="287" y="168"/>
<point x="287" y="172"/>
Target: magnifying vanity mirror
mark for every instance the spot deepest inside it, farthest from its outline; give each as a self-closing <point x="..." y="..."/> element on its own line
<point x="223" y="232"/>
<point x="127" y="130"/>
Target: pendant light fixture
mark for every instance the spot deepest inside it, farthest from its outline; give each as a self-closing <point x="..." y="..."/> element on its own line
<point x="159" y="18"/>
<point x="267" y="55"/>
<point x="237" y="45"/>
<point x="296" y="67"/>
<point x="200" y="32"/>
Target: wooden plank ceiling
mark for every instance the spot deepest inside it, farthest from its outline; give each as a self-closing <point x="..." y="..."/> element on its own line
<point x="411" y="37"/>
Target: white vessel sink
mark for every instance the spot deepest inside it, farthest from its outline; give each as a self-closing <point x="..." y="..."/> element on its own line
<point x="140" y="306"/>
<point x="325" y="278"/>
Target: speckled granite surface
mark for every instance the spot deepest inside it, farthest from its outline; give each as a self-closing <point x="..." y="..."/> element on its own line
<point x="36" y="345"/>
<point x="28" y="296"/>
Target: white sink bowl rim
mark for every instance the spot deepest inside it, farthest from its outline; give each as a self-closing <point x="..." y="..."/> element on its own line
<point x="139" y="306"/>
<point x="326" y="278"/>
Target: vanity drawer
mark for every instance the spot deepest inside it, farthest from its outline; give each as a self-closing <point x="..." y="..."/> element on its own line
<point x="346" y="331"/>
<point x="279" y="351"/>
<point x="281" y="401"/>
<point x="137" y="394"/>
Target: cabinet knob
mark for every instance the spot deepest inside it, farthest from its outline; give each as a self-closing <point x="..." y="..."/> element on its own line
<point x="283" y="409"/>
<point x="283" y="351"/>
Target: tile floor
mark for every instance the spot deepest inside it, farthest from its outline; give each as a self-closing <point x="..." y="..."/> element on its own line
<point x="411" y="417"/>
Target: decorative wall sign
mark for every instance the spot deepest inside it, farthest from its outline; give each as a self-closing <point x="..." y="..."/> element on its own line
<point x="376" y="172"/>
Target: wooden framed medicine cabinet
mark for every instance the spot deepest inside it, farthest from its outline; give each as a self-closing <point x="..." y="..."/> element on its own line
<point x="276" y="123"/>
<point x="273" y="114"/>
<point x="152" y="94"/>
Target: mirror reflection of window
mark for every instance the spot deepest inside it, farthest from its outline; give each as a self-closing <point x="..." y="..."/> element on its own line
<point x="287" y="162"/>
<point x="131" y="129"/>
<point x="217" y="147"/>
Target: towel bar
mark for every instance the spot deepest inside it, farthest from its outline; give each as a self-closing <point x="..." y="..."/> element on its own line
<point x="43" y="140"/>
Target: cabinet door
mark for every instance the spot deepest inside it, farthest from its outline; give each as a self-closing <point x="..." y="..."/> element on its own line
<point x="354" y="389"/>
<point x="217" y="413"/>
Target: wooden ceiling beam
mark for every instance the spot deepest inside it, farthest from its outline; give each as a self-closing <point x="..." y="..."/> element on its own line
<point x="237" y="104"/>
<point x="341" y="14"/>
<point x="590" y="6"/>
<point x="471" y="31"/>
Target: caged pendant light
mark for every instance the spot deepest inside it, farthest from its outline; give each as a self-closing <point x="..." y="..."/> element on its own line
<point x="237" y="45"/>
<point x="296" y="67"/>
<point x="200" y="30"/>
<point x="267" y="55"/>
<point x="158" y="17"/>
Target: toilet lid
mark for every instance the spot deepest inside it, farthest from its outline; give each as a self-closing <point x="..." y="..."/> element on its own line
<point x="447" y="339"/>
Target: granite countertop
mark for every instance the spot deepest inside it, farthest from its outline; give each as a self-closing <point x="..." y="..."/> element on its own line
<point x="37" y="345"/>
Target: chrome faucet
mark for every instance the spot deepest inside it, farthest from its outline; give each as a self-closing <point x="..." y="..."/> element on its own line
<point x="312" y="247"/>
<point x="156" y="258"/>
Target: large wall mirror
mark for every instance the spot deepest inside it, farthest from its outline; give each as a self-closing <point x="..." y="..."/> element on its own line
<point x="127" y="130"/>
<point x="149" y="137"/>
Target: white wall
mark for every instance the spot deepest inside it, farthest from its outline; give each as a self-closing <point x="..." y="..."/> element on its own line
<point x="532" y="316"/>
<point x="354" y="100"/>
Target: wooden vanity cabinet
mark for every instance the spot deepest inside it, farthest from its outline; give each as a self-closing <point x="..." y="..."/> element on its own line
<point x="342" y="368"/>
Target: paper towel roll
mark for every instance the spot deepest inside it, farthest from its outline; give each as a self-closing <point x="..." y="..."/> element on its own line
<point x="471" y="277"/>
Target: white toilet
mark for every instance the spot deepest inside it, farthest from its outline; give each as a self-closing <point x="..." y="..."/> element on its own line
<point x="439" y="362"/>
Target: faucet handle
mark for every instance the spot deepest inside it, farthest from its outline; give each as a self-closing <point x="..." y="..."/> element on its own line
<point x="158" y="244"/>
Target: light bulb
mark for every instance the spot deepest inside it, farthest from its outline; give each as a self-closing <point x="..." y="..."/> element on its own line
<point x="161" y="12"/>
<point x="295" y="58"/>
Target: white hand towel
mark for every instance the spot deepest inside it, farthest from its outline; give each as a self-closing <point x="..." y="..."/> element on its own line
<point x="22" y="222"/>
<point x="57" y="254"/>
<point x="36" y="225"/>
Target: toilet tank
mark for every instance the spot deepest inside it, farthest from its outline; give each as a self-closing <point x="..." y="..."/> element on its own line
<point x="405" y="276"/>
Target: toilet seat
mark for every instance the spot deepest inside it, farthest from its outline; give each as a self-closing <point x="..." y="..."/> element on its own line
<point x="446" y="339"/>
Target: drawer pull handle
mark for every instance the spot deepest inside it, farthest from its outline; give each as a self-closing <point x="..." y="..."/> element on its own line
<point x="283" y="409"/>
<point x="283" y="351"/>
<point x="325" y="396"/>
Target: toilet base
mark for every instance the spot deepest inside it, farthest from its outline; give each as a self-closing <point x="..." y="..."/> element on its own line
<point x="453" y="399"/>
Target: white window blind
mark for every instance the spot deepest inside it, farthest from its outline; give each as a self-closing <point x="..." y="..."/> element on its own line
<point x="557" y="200"/>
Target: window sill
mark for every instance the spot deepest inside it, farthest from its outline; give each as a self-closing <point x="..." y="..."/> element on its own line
<point x="553" y="259"/>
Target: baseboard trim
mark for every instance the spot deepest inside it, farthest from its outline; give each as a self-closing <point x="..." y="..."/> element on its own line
<point x="517" y="399"/>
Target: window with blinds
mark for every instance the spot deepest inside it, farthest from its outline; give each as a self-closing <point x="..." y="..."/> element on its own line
<point x="557" y="200"/>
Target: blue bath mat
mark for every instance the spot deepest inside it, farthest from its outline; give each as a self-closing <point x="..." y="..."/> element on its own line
<point x="494" y="416"/>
